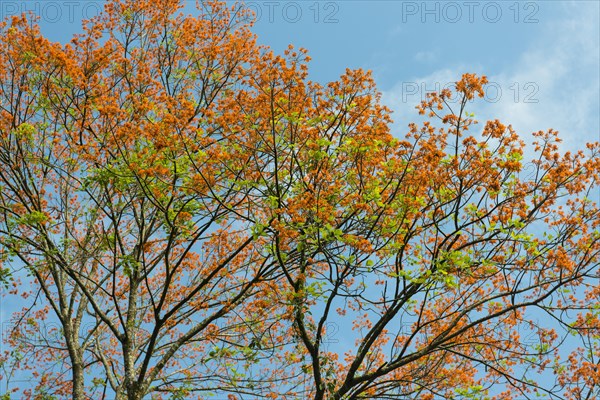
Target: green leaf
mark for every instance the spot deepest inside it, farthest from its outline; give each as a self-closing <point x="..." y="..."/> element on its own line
<point x="33" y="218"/>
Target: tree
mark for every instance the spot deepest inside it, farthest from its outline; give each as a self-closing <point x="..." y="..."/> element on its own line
<point x="193" y="214"/>
<point x="125" y="201"/>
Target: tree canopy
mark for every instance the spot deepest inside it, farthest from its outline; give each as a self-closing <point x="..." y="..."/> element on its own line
<point x="183" y="213"/>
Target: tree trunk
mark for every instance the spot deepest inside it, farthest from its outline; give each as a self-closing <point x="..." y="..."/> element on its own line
<point x="78" y="387"/>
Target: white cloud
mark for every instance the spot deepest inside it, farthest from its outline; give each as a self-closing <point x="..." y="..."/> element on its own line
<point x="425" y="56"/>
<point x="563" y="66"/>
<point x="554" y="84"/>
<point x="405" y="95"/>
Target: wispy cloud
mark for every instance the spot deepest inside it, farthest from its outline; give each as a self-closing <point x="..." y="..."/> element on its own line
<point x="425" y="56"/>
<point x="554" y="84"/>
<point x="557" y="80"/>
